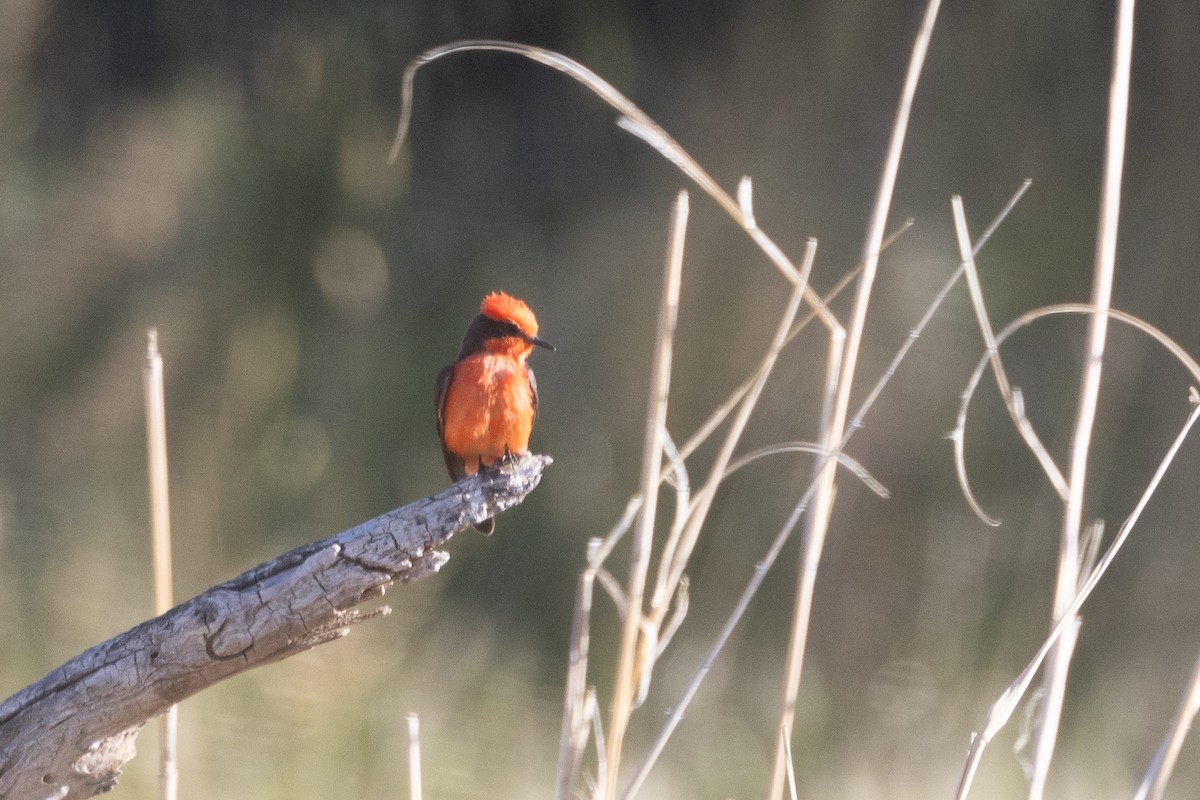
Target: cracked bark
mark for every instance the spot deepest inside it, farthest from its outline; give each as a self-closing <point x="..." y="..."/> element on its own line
<point x="69" y="734"/>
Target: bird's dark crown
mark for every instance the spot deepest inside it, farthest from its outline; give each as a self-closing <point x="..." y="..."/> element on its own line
<point x="483" y="328"/>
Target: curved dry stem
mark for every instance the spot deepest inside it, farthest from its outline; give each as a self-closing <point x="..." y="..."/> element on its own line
<point x="1068" y="622"/>
<point x="1012" y="398"/>
<point x="855" y="467"/>
<point x="958" y="436"/>
<point x="927" y="317"/>
<point x="635" y="121"/>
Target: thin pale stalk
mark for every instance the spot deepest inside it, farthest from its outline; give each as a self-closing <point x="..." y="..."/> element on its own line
<point x="875" y="231"/>
<point x="656" y="419"/>
<point x="683" y="505"/>
<point x="1002" y="710"/>
<point x="926" y="318"/>
<point x="160" y="543"/>
<point x="823" y="505"/>
<point x="764" y="566"/>
<point x="601" y="748"/>
<point x="722" y="411"/>
<point x="597" y="557"/>
<point x="1102" y="281"/>
<point x="824" y="471"/>
<point x="1089" y="551"/>
<point x="1154" y="782"/>
<point x="791" y="772"/>
<point x="632" y="119"/>
<point x="414" y="756"/>
<point x="677" y="711"/>
<point x="575" y="713"/>
<point x="678" y="615"/>
<point x="1016" y="409"/>
<point x="704" y="498"/>
<point x="612" y="587"/>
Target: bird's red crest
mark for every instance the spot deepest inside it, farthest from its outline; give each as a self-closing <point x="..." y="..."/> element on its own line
<point x="506" y="308"/>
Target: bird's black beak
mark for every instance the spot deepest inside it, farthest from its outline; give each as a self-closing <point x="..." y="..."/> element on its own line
<point x="540" y="342"/>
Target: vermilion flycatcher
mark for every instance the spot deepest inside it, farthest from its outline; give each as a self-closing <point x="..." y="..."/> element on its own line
<point x="487" y="399"/>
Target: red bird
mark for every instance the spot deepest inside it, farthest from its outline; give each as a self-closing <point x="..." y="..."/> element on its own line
<point x="487" y="399"/>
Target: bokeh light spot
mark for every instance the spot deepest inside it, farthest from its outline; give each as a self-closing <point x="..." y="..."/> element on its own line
<point x="351" y="272"/>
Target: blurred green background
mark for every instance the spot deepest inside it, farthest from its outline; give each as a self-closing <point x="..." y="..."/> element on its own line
<point x="217" y="170"/>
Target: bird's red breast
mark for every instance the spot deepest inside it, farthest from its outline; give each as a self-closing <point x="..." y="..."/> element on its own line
<point x="487" y="399"/>
<point x="488" y="410"/>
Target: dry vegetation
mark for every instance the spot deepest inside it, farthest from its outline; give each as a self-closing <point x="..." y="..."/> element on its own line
<point x="641" y="566"/>
<point x="651" y="611"/>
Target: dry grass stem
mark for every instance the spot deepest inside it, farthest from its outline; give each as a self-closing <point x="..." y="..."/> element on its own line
<point x="854" y="467"/>
<point x="824" y="472"/>
<point x="1102" y="280"/>
<point x="1089" y="548"/>
<point x="678" y="476"/>
<point x="576" y="718"/>
<point x="633" y="120"/>
<point x="679" y="611"/>
<point x="1012" y="398"/>
<point x="834" y="423"/>
<point x="598" y="733"/>
<point x="1026" y="319"/>
<point x="768" y="560"/>
<point x="915" y="332"/>
<point x="414" y="756"/>
<point x="1154" y="782"/>
<point x="721" y="412"/>
<point x="1068" y="622"/>
<point x="629" y="666"/>
<point x="671" y="572"/>
<point x="160" y="543"/>
<point x="601" y="553"/>
<point x="680" y="707"/>
<point x="791" y="771"/>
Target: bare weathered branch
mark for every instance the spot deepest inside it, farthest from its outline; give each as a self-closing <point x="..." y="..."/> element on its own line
<point x="69" y="734"/>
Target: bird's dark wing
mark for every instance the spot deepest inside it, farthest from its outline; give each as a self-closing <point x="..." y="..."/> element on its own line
<point x="454" y="464"/>
<point x="533" y="390"/>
